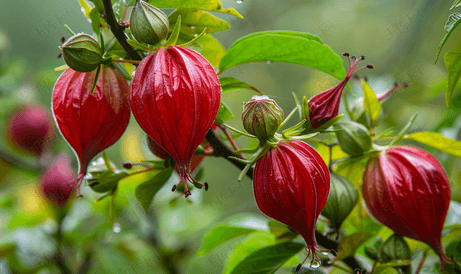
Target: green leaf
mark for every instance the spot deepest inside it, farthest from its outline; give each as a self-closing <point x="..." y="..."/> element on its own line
<point x="195" y="21"/>
<point x="437" y="141"/>
<point x="94" y="17"/>
<point x="350" y="243"/>
<point x="453" y="22"/>
<point x="146" y="191"/>
<point x="385" y="270"/>
<point x="211" y="49"/>
<point x="268" y="259"/>
<point x="284" y="46"/>
<point x="174" y="34"/>
<point x="233" y="227"/>
<point x="453" y="65"/>
<point x="209" y="5"/>
<point x="121" y="68"/>
<point x="370" y="102"/>
<point x="86" y="9"/>
<point x="281" y="231"/>
<point x="224" y="114"/>
<point x="250" y="244"/>
<point x="456" y="4"/>
<point x="231" y="84"/>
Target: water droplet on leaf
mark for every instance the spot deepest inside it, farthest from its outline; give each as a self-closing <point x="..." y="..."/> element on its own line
<point x="116" y="228"/>
<point x="268" y="62"/>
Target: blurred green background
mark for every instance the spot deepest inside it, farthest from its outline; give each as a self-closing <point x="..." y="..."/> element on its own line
<point x="398" y="37"/>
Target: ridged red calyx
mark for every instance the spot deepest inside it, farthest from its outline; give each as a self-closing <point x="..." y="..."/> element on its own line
<point x="31" y="128"/>
<point x="407" y="190"/>
<point x="175" y="96"/>
<point x="90" y="122"/>
<point x="58" y="181"/>
<point x="325" y="106"/>
<point x="291" y="185"/>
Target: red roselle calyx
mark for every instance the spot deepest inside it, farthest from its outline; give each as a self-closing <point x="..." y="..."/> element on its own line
<point x="175" y="96"/>
<point x="291" y="185"/>
<point x="31" y="128"/>
<point x="325" y="106"/>
<point x="58" y="181"/>
<point x="90" y="122"/>
<point x="407" y="190"/>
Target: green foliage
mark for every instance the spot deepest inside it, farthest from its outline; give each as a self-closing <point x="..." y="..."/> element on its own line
<point x="453" y="22"/>
<point x="224" y="114"/>
<point x="146" y="191"/>
<point x="453" y="65"/>
<point x="268" y="259"/>
<point x="195" y="21"/>
<point x="284" y="46"/>
<point x="437" y="141"/>
<point x="371" y="103"/>
<point x="231" y="84"/>
<point x="209" y="5"/>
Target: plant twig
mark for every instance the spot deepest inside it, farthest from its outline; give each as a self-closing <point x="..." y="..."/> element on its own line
<point x="222" y="150"/>
<point x="231" y="140"/>
<point x="117" y="30"/>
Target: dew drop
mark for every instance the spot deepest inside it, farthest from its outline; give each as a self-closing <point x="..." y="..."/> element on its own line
<point x="268" y="62"/>
<point x="239" y="1"/>
<point x="196" y="35"/>
<point x="325" y="253"/>
<point x="315" y="264"/>
<point x="116" y="228"/>
<point x="193" y="27"/>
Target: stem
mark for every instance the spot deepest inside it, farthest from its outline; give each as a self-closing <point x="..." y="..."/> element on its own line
<point x="421" y="262"/>
<point x="330" y="147"/>
<point x="117" y="30"/>
<point x="59" y="258"/>
<point x="231" y="140"/>
<point x="106" y="161"/>
<point x="222" y="150"/>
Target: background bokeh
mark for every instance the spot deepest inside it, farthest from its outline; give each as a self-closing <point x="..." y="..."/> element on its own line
<point x="398" y="37"/>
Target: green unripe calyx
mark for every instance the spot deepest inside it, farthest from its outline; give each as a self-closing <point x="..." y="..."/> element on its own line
<point x="148" y="24"/>
<point x="262" y="117"/>
<point x="82" y="53"/>
<point x="353" y="138"/>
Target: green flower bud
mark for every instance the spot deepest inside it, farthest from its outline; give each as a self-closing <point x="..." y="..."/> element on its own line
<point x="353" y="138"/>
<point x="262" y="117"/>
<point x="82" y="53"/>
<point x="148" y="24"/>
<point x="341" y="200"/>
<point x="395" y="248"/>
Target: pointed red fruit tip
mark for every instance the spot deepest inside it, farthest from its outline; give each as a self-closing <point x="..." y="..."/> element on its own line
<point x="370" y="66"/>
<point x="173" y="189"/>
<point x="298" y="267"/>
<point x="127" y="165"/>
<point x="346" y="54"/>
<point x="206" y="186"/>
<point x="187" y="193"/>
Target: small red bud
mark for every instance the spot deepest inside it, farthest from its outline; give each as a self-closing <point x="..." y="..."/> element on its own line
<point x="407" y="190"/>
<point x="127" y="165"/>
<point x="58" y="181"/>
<point x="325" y="106"/>
<point x="31" y="128"/>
